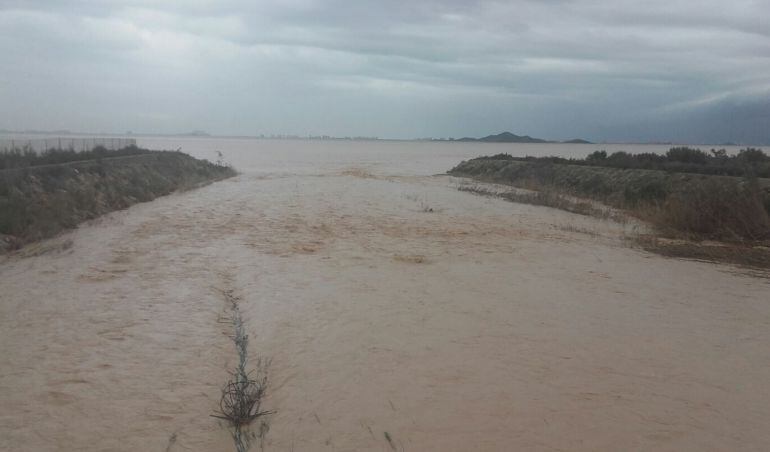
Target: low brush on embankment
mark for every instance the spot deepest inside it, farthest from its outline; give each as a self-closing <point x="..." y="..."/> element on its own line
<point x="37" y="202"/>
<point x="690" y="208"/>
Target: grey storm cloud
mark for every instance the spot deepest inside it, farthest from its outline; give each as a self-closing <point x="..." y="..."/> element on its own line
<point x="680" y="70"/>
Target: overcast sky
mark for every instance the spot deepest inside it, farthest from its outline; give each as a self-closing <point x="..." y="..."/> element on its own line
<point x="623" y="70"/>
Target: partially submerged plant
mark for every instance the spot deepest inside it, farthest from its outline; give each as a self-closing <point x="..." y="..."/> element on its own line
<point x="242" y="397"/>
<point x="241" y="401"/>
<point x="424" y="206"/>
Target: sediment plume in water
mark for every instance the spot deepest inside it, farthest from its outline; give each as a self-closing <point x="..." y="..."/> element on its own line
<point x="483" y="325"/>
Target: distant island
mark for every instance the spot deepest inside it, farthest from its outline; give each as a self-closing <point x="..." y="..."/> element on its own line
<point x="508" y="137"/>
<point x="505" y="137"/>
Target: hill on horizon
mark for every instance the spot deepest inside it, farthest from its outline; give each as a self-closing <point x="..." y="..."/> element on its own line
<point x="508" y="137"/>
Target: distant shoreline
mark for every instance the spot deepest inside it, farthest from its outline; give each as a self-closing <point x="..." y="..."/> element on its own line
<point x="289" y="137"/>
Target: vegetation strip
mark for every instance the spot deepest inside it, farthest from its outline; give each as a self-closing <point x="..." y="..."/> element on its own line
<point x="751" y="162"/>
<point x="26" y="157"/>
<point x="39" y="199"/>
<point x="709" y="217"/>
<point x="549" y="198"/>
<point x="242" y="395"/>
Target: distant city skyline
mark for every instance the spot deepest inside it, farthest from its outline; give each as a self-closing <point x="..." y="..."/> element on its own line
<point x="681" y="71"/>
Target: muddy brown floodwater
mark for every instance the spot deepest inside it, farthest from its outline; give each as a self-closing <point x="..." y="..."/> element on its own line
<point x="399" y="313"/>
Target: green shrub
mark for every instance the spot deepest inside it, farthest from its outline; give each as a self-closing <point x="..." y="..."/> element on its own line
<point x="699" y="206"/>
<point x="717" y="209"/>
<point x="686" y="155"/>
<point x="651" y="191"/>
<point x="752" y="155"/>
<point x="597" y="156"/>
<point x="748" y="162"/>
<point x="40" y="201"/>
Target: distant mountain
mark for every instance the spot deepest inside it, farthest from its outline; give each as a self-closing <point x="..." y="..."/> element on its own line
<point x="505" y="137"/>
<point x="578" y="141"/>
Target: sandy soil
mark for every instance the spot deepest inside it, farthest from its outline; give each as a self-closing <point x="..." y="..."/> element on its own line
<point x="480" y="325"/>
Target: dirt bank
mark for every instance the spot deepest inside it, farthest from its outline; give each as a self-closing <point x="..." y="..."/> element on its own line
<point x="41" y="201"/>
<point x="619" y="187"/>
<point x="718" y="218"/>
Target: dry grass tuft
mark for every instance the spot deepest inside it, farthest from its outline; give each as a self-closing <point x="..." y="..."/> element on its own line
<point x="411" y="258"/>
<point x="743" y="255"/>
<point x="360" y="173"/>
<point x="242" y="398"/>
<point x="548" y="198"/>
<point x="712" y="210"/>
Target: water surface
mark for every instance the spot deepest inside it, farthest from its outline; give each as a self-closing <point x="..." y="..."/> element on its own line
<point x="392" y="306"/>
